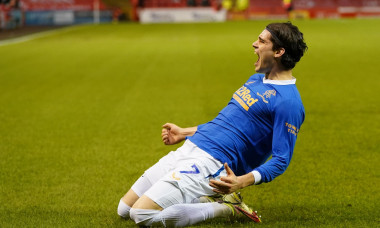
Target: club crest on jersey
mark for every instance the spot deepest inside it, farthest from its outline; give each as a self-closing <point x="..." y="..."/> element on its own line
<point x="267" y="94"/>
<point x="244" y="98"/>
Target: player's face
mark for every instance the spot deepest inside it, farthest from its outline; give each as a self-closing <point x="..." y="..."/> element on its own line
<point x="263" y="48"/>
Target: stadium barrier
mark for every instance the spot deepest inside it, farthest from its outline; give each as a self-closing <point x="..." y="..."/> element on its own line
<point x="259" y="9"/>
<point x="65" y="17"/>
<point x="64" y="12"/>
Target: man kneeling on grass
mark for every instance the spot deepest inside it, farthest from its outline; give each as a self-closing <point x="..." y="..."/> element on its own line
<point x="200" y="179"/>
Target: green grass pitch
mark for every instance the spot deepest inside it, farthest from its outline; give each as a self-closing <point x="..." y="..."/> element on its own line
<point x="81" y="113"/>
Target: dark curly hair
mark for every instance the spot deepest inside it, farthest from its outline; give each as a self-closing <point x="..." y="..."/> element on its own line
<point x="287" y="36"/>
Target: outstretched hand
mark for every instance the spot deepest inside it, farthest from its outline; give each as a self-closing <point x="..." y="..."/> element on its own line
<point x="171" y="134"/>
<point x="227" y="184"/>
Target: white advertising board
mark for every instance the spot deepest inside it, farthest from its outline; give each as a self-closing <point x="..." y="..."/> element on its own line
<point x="180" y="15"/>
<point x="63" y="17"/>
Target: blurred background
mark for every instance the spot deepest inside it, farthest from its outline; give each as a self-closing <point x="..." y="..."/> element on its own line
<point x="23" y="13"/>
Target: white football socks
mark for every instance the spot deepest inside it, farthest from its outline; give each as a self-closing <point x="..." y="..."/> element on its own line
<point x="221" y="210"/>
<point x="180" y="215"/>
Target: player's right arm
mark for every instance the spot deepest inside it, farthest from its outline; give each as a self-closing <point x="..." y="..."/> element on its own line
<point x="172" y="134"/>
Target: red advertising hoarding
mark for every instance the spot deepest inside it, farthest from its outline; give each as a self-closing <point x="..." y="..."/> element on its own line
<point x="34" y="5"/>
<point x="317" y="8"/>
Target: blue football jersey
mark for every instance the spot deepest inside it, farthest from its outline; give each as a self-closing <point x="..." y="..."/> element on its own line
<point x="263" y="118"/>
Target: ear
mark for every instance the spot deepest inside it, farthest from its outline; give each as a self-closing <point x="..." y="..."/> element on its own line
<point x="279" y="52"/>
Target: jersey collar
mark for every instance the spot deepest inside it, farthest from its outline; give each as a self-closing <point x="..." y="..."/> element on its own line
<point x="280" y="82"/>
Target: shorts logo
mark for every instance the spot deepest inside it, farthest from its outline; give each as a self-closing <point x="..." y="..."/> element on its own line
<point x="174" y="177"/>
<point x="243" y="97"/>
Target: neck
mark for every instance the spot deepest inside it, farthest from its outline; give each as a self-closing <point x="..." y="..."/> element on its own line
<point x="276" y="74"/>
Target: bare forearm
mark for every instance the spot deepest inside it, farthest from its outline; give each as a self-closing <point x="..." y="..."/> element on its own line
<point x="246" y="180"/>
<point x="184" y="132"/>
<point x="189" y="131"/>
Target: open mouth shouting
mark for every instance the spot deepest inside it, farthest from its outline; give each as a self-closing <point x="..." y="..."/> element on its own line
<point x="258" y="59"/>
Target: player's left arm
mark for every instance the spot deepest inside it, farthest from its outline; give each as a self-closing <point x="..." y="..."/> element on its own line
<point x="287" y="122"/>
<point x="288" y="117"/>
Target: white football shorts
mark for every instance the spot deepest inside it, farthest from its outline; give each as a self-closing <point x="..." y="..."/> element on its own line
<point x="180" y="177"/>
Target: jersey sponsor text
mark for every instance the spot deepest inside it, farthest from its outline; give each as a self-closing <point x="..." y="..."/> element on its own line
<point x="243" y="97"/>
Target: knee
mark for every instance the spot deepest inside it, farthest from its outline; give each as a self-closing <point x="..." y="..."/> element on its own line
<point x="123" y="209"/>
<point x="144" y="217"/>
<point x="137" y="216"/>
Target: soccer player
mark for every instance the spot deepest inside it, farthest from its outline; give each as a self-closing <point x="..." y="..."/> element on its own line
<point x="230" y="152"/>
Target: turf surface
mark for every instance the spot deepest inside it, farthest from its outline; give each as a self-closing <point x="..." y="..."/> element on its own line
<point x="81" y="114"/>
